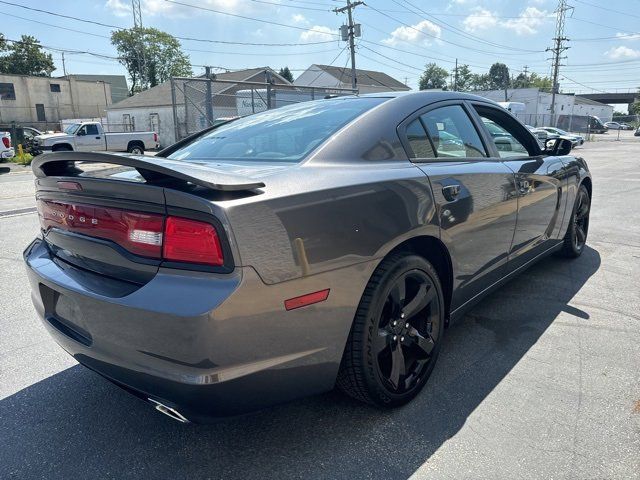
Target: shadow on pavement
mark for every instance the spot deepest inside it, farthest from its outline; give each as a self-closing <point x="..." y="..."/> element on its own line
<point x="76" y="425"/>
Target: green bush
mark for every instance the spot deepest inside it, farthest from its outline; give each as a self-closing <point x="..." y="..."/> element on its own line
<point x="24" y="160"/>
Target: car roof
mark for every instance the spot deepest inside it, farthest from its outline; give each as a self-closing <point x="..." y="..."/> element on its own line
<point x="429" y="96"/>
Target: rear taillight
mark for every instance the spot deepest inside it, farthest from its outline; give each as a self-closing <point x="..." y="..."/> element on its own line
<point x="151" y="235"/>
<point x="7" y="142"/>
<point x="191" y="241"/>
<point x="155" y="137"/>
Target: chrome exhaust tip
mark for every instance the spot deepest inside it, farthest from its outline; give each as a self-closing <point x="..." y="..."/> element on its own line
<point x="168" y="411"/>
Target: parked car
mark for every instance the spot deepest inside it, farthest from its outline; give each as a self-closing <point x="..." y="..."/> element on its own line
<point x="576" y="140"/>
<point x="6" y="149"/>
<point x="625" y="126"/>
<point x="613" y="125"/>
<point x="91" y="137"/>
<point x="637" y="132"/>
<point x="276" y="256"/>
<point x="542" y="135"/>
<point x="590" y="123"/>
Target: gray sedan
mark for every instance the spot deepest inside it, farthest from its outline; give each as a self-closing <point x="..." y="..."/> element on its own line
<point x="279" y="255"/>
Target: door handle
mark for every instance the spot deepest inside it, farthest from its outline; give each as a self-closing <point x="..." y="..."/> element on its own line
<point x="451" y="192"/>
<point x="98" y="138"/>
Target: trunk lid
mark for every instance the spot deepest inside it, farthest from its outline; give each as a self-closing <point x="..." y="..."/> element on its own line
<point x="105" y="220"/>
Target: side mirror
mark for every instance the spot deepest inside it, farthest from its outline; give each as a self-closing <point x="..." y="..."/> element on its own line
<point x="558" y="146"/>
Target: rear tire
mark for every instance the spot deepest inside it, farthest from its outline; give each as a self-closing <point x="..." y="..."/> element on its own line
<point x="136" y="149"/>
<point x="396" y="334"/>
<point x="576" y="236"/>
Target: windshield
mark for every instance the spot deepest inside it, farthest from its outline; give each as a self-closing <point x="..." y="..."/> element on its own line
<point x="71" y="129"/>
<point x="284" y="134"/>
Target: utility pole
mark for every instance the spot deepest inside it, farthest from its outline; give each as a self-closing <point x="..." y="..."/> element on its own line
<point x="557" y="49"/>
<point x="455" y="78"/>
<point x="64" y="65"/>
<point x="352" y="32"/>
<point x="137" y="25"/>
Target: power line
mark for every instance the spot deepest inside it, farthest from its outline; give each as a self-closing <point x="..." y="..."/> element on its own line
<point x="435" y="37"/>
<point x="191" y="39"/>
<point x="457" y="31"/>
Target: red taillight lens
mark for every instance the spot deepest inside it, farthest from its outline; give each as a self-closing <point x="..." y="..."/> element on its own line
<point x="139" y="233"/>
<point x="191" y="241"/>
<point x="7" y="142"/>
<point x="148" y="234"/>
<point x="155" y="137"/>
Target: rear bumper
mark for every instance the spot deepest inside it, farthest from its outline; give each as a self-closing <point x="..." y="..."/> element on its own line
<point x="207" y="345"/>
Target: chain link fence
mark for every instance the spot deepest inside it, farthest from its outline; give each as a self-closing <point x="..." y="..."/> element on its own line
<point x="581" y="124"/>
<point x="199" y="103"/>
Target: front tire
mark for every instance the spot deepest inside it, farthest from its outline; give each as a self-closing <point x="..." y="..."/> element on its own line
<point x="396" y="334"/>
<point x="576" y="236"/>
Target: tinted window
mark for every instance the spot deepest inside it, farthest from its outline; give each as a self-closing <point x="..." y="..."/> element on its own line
<point x="54" y="87"/>
<point x="419" y="141"/>
<point x="452" y="133"/>
<point x="285" y="134"/>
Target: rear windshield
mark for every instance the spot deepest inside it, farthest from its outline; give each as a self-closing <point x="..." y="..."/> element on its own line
<point x="284" y="134"/>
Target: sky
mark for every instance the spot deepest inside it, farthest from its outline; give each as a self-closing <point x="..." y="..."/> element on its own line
<point x="398" y="36"/>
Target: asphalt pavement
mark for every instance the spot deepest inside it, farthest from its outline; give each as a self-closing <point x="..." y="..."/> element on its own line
<point x="540" y="380"/>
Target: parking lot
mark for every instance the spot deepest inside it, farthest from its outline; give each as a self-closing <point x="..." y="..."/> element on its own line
<point x="540" y="380"/>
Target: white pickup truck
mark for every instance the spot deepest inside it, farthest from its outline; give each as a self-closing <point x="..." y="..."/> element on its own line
<point x="90" y="137"/>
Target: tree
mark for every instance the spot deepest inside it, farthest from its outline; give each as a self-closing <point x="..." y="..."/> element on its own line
<point x="499" y="76"/>
<point x="543" y="83"/>
<point x="479" y="82"/>
<point x="158" y="51"/>
<point x="433" y="77"/>
<point x="634" y="108"/>
<point x="25" y="57"/>
<point x="464" y="80"/>
<point x="286" y="73"/>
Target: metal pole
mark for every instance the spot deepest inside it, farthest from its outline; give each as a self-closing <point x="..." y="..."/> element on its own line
<point x="176" y="128"/>
<point x="208" y="101"/>
<point x="352" y="47"/>
<point x="455" y="78"/>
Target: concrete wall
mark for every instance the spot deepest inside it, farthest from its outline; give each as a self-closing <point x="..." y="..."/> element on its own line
<point x="76" y="98"/>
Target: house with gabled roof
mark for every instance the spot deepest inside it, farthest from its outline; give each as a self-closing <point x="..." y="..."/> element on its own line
<point x="368" y="81"/>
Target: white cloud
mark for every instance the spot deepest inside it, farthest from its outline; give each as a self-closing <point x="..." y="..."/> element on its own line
<point x="617" y="53"/>
<point x="418" y="33"/>
<point x="299" y="19"/>
<point x="628" y="36"/>
<point x="527" y="22"/>
<point x="318" y="33"/>
<point x="480" y="19"/>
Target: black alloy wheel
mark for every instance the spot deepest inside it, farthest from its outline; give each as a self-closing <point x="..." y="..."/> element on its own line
<point x="396" y="335"/>
<point x="576" y="237"/>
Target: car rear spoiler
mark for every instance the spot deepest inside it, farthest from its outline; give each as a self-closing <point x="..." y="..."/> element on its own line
<point x="152" y="169"/>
